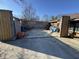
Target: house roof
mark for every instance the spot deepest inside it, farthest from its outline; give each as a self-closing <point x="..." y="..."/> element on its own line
<point x="2" y="10"/>
<point x="75" y="15"/>
<point x="74" y="20"/>
<point x="16" y="18"/>
<point x="54" y="21"/>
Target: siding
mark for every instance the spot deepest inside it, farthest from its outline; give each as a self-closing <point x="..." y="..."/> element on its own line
<point x="6" y="25"/>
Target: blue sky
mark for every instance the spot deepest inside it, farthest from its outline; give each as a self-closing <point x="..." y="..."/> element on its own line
<point x="10" y="5"/>
<point x="49" y="7"/>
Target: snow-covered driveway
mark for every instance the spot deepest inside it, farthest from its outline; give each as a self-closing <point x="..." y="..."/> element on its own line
<point x="37" y="45"/>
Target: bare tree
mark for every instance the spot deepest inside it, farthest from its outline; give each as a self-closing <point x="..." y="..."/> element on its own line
<point x="46" y="17"/>
<point x="28" y="12"/>
<point x="55" y="17"/>
<point x="37" y="18"/>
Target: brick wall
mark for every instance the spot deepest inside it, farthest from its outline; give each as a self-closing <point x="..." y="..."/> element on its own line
<point x="64" y="26"/>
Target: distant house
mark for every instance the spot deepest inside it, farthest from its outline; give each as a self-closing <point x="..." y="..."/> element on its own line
<point x="67" y="24"/>
<point x="74" y="21"/>
<point x="55" y="23"/>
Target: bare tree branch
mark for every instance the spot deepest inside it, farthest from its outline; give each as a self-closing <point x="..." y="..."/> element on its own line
<point x="28" y="12"/>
